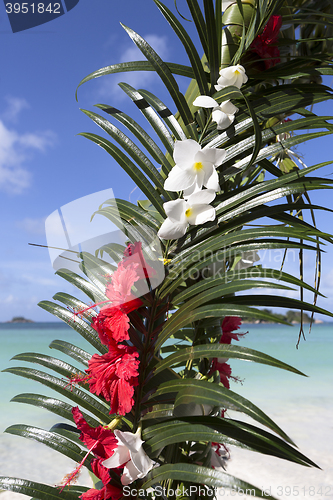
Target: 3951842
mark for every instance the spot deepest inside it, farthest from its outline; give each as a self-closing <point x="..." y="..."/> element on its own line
<point x="33" y="8"/>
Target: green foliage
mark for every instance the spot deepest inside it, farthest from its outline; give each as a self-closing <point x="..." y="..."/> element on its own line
<point x="178" y="333"/>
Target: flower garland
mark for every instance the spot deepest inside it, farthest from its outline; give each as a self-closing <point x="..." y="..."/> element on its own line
<point x="115" y="374"/>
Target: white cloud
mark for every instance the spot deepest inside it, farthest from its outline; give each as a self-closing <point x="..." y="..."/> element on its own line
<point x="23" y="283"/>
<point x="14" y="107"/>
<point x="40" y="141"/>
<point x="15" y="150"/>
<point x="158" y="43"/>
<point x="109" y="86"/>
<point x="32" y="226"/>
<point x="9" y="299"/>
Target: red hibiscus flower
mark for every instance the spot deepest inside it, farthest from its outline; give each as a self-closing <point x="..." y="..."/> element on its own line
<point x="112" y="322"/>
<point x="109" y="491"/>
<point x="101" y="441"/>
<point x="124" y="277"/>
<point x="229" y="324"/>
<point x="114" y="375"/>
<point x="265" y="44"/>
<point x="225" y="372"/>
<point x="133" y="254"/>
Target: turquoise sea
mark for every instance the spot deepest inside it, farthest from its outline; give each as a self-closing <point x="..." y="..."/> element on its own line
<point x="302" y="406"/>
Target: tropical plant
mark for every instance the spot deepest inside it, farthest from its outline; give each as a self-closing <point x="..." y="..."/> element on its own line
<point x="151" y="404"/>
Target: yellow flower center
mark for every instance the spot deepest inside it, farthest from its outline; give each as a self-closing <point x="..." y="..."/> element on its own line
<point x="165" y="261"/>
<point x="198" y="166"/>
<point x="188" y="212"/>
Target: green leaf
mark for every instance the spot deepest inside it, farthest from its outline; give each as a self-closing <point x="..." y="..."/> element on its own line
<point x="276" y="301"/>
<point x="203" y="253"/>
<point x="199" y="22"/>
<point x="250" y="272"/>
<point x="203" y="392"/>
<point x="38" y="490"/>
<point x="138" y="131"/>
<point x="53" y="405"/>
<point x="81" y="398"/>
<point x="254" y="438"/>
<point x="71" y="350"/>
<point x="220" y="290"/>
<point x="184" y="37"/>
<point x="51" y="439"/>
<point x="82" y="284"/>
<point x="199" y="475"/>
<point x="96" y="269"/>
<point x="75" y="305"/>
<point x="54" y="364"/>
<point x="222" y="351"/>
<point x="177" y="69"/>
<point x="164" y="113"/>
<point x="212" y="311"/>
<point x="68" y="431"/>
<point x="148" y="207"/>
<point x="153" y="118"/>
<point x="164" y="73"/>
<point x="213" y="54"/>
<point x="129" y="167"/>
<point x="128" y="212"/>
<point x="131" y="150"/>
<point x="78" y="324"/>
<point x="257" y="130"/>
<point x="159" y="411"/>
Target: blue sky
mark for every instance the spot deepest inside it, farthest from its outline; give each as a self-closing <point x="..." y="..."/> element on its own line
<point x="45" y="165"/>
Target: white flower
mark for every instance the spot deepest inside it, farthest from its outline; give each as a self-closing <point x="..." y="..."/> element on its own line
<point x="222" y="114"/>
<point x="195" y="210"/>
<point x="195" y="167"/>
<point x="233" y="75"/>
<point x="129" y="452"/>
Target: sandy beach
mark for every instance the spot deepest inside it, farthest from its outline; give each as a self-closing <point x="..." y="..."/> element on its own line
<point x="280" y="478"/>
<point x="301" y="406"/>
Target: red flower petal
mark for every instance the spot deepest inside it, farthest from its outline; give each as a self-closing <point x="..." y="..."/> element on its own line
<point x="264" y="44"/>
<point x="106" y="441"/>
<point x="118" y="324"/>
<point x="229" y="324"/>
<point x="121" y="400"/>
<point x="133" y="254"/>
<point x="108" y="492"/>
<point x="225" y="373"/>
<point x="124" y="277"/>
<point x="114" y="375"/>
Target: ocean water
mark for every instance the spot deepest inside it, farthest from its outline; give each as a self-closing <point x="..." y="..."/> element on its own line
<point x="301" y="405"/>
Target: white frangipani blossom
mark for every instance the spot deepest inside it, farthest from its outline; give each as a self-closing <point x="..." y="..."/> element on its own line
<point x="195" y="167"/>
<point x="129" y="452"/>
<point x="223" y="114"/>
<point x="181" y="213"/>
<point x="232" y="75"/>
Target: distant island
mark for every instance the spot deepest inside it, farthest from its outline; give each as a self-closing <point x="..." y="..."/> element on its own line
<point x="293" y="317"/>
<point x="20" y="319"/>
